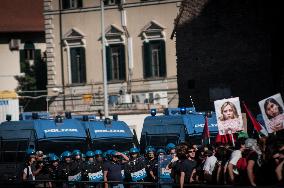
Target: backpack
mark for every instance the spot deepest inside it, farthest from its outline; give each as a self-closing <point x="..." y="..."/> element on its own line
<point x="243" y="162"/>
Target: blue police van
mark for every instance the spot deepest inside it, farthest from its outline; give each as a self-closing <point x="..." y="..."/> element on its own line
<point x="111" y="134"/>
<point x="175" y="126"/>
<point x="55" y="136"/>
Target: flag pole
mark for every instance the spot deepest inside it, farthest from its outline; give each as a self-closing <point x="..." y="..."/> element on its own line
<point x="233" y="141"/>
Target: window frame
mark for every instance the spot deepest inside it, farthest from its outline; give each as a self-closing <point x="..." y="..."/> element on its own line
<point x="151" y="71"/>
<point x="121" y="64"/>
<point x="71" y="4"/>
<point x="82" y="67"/>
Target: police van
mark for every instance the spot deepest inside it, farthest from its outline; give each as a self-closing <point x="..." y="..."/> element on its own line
<point x="55" y="136"/>
<point x="175" y="126"/>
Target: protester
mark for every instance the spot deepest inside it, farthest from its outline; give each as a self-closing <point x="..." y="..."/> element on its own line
<point x="209" y="165"/>
<point x="234" y="174"/>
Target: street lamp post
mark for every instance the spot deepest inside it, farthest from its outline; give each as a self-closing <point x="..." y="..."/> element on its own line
<point x="104" y="61"/>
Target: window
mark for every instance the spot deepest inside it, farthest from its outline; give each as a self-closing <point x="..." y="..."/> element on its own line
<point x="58" y="146"/>
<point x="78" y="65"/>
<point x="69" y="4"/>
<point x="115" y="62"/>
<point x="29" y="51"/>
<point x="112" y="2"/>
<point x="29" y="56"/>
<point x="154" y="59"/>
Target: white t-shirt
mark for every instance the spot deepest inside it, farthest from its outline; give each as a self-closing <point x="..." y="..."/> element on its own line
<point x="30" y="173"/>
<point x="209" y="164"/>
<point x="235" y="156"/>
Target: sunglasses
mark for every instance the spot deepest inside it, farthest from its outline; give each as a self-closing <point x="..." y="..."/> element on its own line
<point x="191" y="151"/>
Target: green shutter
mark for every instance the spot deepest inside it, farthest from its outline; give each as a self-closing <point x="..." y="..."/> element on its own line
<point x="74" y="68"/>
<point x="108" y="62"/>
<point x="22" y="61"/>
<point x="65" y="4"/>
<point x="38" y="68"/>
<point x="122" y="62"/>
<point x="162" y="59"/>
<point x="147" y="60"/>
<point x="82" y="65"/>
<point x="79" y="4"/>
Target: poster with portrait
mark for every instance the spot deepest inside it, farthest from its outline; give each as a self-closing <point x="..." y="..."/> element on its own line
<point x="229" y="115"/>
<point x="272" y="112"/>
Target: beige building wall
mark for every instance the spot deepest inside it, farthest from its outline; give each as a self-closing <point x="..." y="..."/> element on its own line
<point x="10" y="67"/>
<point x="87" y="21"/>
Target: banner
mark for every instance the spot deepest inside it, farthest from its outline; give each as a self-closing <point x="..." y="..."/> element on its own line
<point x="229" y="116"/>
<point x="96" y="177"/>
<point x="164" y="172"/>
<point x="272" y="112"/>
<point x="76" y="177"/>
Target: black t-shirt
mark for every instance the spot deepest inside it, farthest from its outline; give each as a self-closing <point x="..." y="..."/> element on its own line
<point x="257" y="161"/>
<point x="151" y="165"/>
<point x="114" y="171"/>
<point x="187" y="166"/>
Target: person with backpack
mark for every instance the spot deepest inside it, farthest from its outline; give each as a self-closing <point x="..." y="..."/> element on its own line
<point x="233" y="172"/>
<point x="29" y="170"/>
<point x="209" y="165"/>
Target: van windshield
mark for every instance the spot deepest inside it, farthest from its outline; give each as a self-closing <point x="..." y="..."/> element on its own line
<point x="161" y="141"/>
<point x="13" y="150"/>
<point x="59" y="146"/>
<point x="115" y="144"/>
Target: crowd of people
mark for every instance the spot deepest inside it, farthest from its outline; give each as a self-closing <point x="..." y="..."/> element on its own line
<point x="249" y="162"/>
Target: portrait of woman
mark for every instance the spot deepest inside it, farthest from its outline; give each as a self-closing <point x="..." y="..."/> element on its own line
<point x="228" y="111"/>
<point x="229" y="116"/>
<point x="272" y="109"/>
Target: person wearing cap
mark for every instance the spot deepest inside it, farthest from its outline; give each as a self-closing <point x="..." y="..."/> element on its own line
<point x="77" y="161"/>
<point x="91" y="170"/>
<point x="135" y="168"/>
<point x="151" y="165"/>
<point x="53" y="170"/>
<point x="113" y="169"/>
<point x="171" y="148"/>
<point x="66" y="168"/>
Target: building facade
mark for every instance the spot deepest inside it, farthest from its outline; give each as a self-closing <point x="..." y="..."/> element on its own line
<point x="22" y="41"/>
<point x="228" y="48"/>
<point x="140" y="57"/>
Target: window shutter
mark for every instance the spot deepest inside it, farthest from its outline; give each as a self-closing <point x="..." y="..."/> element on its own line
<point x="162" y="59"/>
<point x="79" y="3"/>
<point x="22" y="61"/>
<point x="82" y="65"/>
<point x="38" y="68"/>
<point x="122" y="62"/>
<point x="108" y="62"/>
<point x="147" y="60"/>
<point x="65" y="4"/>
<point x="74" y="69"/>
